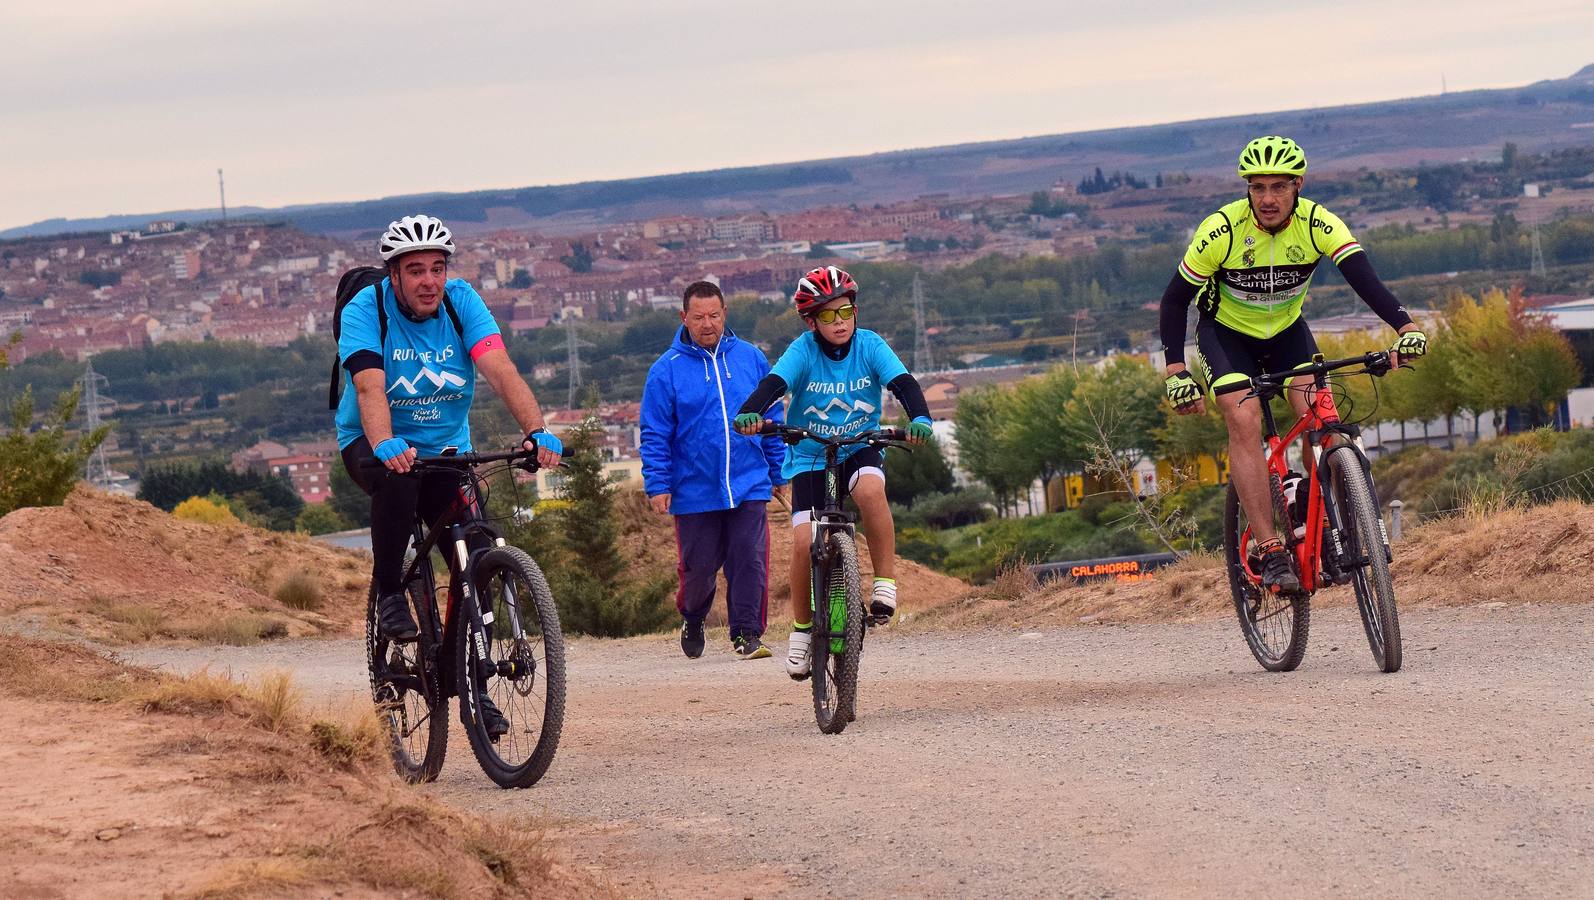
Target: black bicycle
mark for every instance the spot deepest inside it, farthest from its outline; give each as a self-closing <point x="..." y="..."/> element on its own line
<point x="495" y="636"/>
<point x="835" y="593"/>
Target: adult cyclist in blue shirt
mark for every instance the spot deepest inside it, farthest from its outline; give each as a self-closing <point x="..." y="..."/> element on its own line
<point x="411" y="347"/>
<point x="835" y="375"/>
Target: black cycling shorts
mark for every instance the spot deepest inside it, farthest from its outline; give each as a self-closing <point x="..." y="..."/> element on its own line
<point x="808" y="488"/>
<point x="1227" y="355"/>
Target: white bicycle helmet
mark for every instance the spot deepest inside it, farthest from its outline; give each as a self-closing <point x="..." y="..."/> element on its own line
<point x="413" y="233"/>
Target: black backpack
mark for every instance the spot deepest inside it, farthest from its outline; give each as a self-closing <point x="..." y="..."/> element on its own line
<point x="354" y="281"/>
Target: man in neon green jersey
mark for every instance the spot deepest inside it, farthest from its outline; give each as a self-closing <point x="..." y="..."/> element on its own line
<point x="1248" y="269"/>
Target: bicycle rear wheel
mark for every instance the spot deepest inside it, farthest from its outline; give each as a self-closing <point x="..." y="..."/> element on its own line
<point x="407" y="687"/>
<point x="1275" y="626"/>
<point x="1366" y="555"/>
<point x="839" y="606"/>
<point x="517" y="661"/>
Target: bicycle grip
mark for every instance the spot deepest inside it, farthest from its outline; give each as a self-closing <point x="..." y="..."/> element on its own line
<point x="1233" y="387"/>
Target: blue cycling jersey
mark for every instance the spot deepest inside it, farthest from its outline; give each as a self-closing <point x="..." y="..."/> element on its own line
<point x="430" y="367"/>
<point x="835" y="398"/>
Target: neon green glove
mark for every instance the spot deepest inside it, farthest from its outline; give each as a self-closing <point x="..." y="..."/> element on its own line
<point x="1182" y="389"/>
<point x="1411" y="345"/>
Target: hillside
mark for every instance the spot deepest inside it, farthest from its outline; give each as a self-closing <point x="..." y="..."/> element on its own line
<point x="108" y="568"/>
<point x="1547" y="115"/>
<point x="1535" y="555"/>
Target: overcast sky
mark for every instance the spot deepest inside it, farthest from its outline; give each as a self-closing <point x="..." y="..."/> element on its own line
<point x="120" y="107"/>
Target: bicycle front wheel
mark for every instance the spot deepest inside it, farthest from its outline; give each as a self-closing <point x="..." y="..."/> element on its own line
<point x="839" y="607"/>
<point x="1275" y="625"/>
<point x="511" y="659"/>
<point x="407" y="688"/>
<point x="1366" y="555"/>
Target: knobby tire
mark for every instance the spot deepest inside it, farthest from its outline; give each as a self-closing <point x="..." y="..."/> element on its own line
<point x="836" y="673"/>
<point x="534" y="701"/>
<point x="1275" y="626"/>
<point x="1367" y="557"/>
<point x="416" y="720"/>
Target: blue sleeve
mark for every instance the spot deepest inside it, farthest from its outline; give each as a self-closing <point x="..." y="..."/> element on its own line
<point x="774" y="448"/>
<point x="884" y="361"/>
<point x="473" y="312"/>
<point x="792" y="367"/>
<point x="658" y="431"/>
<point x="360" y="329"/>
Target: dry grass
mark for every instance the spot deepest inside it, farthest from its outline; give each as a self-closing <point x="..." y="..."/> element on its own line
<point x="48" y="671"/>
<point x="515" y="851"/>
<point x="299" y="591"/>
<point x="201" y="693"/>
<point x="310" y="807"/>
<point x="350" y="734"/>
<point x="1013" y="582"/>
<point x="131" y="623"/>
<point x="254" y="877"/>
<point x="279" y="701"/>
<point x="241" y="630"/>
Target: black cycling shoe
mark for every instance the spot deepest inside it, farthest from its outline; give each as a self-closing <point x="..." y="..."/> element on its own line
<point x="1278" y="570"/>
<point x="692" y="638"/>
<point x="393" y="619"/>
<point x="493" y="718"/>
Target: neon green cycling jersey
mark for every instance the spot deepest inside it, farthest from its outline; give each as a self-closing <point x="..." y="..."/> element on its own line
<point x="1255" y="282"/>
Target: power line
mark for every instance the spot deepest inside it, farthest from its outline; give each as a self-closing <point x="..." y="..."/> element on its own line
<point x="573" y="345"/>
<point x="923" y="360"/>
<point x="97" y="471"/>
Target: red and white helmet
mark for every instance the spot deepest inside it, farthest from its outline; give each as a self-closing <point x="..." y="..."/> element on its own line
<point x="821" y="286"/>
<point x="413" y="233"/>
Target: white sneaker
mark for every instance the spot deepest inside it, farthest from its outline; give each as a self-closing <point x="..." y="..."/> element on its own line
<point x="797" y="654"/>
<point x="883" y="599"/>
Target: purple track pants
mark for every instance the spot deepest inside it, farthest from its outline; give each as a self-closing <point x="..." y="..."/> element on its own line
<point x="738" y="540"/>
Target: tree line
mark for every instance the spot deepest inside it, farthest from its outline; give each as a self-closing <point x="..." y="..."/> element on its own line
<point x="1488" y="355"/>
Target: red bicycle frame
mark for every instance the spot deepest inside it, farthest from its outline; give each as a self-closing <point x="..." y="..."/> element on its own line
<point x="1320" y="414"/>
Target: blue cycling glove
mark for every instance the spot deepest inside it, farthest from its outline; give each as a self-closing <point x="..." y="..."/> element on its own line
<point x="919" y="429"/>
<point x="391" y="448"/>
<point x="545" y="440"/>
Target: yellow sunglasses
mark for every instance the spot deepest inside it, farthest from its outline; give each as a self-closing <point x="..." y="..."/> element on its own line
<point x="829" y="316"/>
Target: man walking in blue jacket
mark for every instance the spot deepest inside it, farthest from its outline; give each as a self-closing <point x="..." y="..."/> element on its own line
<point x="716" y="484"/>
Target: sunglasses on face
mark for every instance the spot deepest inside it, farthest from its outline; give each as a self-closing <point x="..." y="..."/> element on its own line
<point x="829" y="316"/>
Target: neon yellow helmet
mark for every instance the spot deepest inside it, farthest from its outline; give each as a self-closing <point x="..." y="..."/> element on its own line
<point x="1272" y="155"/>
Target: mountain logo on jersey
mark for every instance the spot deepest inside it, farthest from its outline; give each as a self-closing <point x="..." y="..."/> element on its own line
<point x="440" y="381"/>
<point x="836" y="403"/>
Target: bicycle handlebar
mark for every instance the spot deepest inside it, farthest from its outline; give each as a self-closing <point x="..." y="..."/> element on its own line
<point x="891" y="437"/>
<point x="467" y="460"/>
<point x="1378" y="363"/>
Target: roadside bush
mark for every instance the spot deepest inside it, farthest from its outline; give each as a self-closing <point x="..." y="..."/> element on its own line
<point x="299" y="591"/>
<point x="319" y="518"/>
<point x="952" y="509"/>
<point x="211" y="509"/>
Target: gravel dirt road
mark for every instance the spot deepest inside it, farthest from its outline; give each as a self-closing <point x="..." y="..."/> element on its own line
<point x="1106" y="761"/>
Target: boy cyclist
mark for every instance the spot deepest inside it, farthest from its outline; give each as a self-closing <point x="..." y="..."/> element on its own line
<point x="834" y="375"/>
